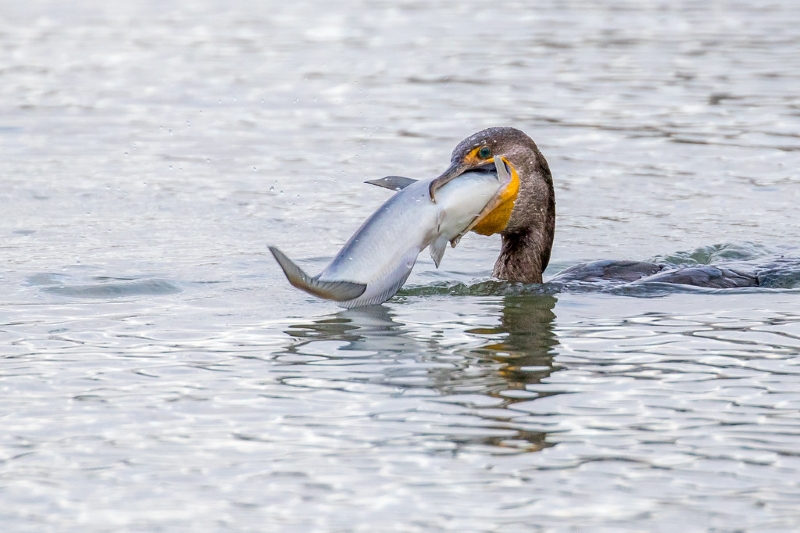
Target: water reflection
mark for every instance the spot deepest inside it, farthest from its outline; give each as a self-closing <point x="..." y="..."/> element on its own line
<point x="527" y="349"/>
<point x="364" y="329"/>
<point x="467" y="385"/>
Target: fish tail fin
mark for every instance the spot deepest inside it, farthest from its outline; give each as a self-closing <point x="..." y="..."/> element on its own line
<point x="339" y="291"/>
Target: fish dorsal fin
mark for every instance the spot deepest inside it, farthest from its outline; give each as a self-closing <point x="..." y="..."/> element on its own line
<point x="394" y="183"/>
<point x="437" y="249"/>
<point x="339" y="291"/>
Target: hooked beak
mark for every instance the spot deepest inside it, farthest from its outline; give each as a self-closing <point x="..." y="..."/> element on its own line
<point x="454" y="171"/>
<point x="458" y="168"/>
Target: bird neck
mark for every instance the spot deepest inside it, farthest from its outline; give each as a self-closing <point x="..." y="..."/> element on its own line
<point x="526" y="253"/>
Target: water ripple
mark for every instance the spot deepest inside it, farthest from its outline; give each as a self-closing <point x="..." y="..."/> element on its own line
<point x="158" y="373"/>
<point x="115" y="288"/>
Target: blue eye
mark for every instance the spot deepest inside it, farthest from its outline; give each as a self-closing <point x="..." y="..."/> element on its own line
<point x="485" y="152"/>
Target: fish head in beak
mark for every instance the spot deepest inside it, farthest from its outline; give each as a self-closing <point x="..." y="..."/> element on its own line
<point x="495" y="215"/>
<point x="477" y="157"/>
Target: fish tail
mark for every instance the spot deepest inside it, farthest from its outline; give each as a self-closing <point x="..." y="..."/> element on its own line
<point x="339" y="291"/>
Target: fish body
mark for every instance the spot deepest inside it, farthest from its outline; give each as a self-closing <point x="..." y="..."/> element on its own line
<point x="376" y="261"/>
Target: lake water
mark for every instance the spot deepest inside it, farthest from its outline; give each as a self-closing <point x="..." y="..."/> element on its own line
<point x="158" y="373"/>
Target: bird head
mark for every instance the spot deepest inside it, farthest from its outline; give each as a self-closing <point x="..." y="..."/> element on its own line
<point x="530" y="177"/>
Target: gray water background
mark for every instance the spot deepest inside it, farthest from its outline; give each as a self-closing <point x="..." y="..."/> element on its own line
<point x="157" y="373"/>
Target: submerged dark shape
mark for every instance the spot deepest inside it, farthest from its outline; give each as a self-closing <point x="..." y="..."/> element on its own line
<point x="526" y="222"/>
<point x="706" y="276"/>
<point x="598" y="271"/>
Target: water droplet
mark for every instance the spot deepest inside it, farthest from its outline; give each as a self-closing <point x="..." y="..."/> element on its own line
<point x="271" y="189"/>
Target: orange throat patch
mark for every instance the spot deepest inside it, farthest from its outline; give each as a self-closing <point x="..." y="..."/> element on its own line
<point x="497" y="219"/>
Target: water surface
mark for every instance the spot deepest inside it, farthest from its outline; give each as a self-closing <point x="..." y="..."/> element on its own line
<point x="159" y="374"/>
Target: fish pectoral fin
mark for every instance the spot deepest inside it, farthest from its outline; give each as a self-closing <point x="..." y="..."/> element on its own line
<point x="339" y="291"/>
<point x="437" y="249"/>
<point x="394" y="183"/>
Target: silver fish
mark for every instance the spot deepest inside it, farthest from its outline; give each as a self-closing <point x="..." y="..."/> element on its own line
<point x="378" y="258"/>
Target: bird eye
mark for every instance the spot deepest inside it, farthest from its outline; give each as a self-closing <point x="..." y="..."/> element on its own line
<point x="485" y="152"/>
